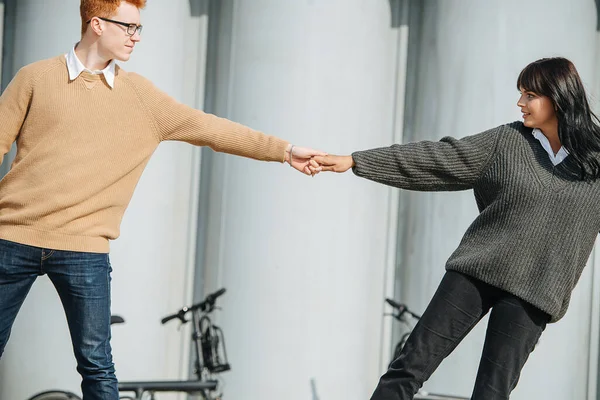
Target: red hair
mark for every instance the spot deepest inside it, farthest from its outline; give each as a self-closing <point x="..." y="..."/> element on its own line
<point x="102" y="8"/>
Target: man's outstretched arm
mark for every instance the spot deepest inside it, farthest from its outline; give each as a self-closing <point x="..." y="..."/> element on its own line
<point x="177" y="121"/>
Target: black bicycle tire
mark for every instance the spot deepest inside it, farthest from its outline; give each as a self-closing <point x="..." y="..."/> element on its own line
<point x="400" y="346"/>
<point x="55" y="395"/>
<point x="397" y="350"/>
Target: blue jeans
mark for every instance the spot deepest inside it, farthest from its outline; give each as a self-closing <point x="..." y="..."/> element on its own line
<point x="82" y="281"/>
<point x="460" y="301"/>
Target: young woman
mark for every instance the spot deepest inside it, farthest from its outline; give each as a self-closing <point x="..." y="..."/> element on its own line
<point x="535" y="183"/>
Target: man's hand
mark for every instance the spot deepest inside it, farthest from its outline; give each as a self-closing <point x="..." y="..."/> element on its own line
<point x="300" y="159"/>
<point x="331" y="163"/>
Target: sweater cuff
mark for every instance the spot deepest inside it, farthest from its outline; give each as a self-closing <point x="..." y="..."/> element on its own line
<point x="358" y="158"/>
<point x="282" y="149"/>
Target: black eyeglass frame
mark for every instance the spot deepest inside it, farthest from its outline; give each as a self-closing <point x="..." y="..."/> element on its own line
<point x="136" y="28"/>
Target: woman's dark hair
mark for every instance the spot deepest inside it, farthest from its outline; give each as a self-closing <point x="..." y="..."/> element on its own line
<point x="578" y="127"/>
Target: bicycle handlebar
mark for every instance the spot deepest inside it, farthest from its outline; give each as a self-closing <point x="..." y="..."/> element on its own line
<point x="206" y="305"/>
<point x="173" y="316"/>
<point x="394" y="304"/>
<point x="402" y="309"/>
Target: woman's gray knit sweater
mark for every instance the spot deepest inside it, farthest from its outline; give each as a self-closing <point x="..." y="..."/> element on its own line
<point x="537" y="223"/>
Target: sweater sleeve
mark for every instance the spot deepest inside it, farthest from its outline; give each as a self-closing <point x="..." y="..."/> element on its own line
<point x="449" y="164"/>
<point x="176" y="121"/>
<point x="14" y="105"/>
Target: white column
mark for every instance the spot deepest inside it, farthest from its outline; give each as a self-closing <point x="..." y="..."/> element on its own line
<point x="302" y="258"/>
<point x="153" y="260"/>
<point x="470" y="56"/>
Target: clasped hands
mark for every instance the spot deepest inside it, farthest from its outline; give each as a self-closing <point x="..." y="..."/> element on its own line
<point x="311" y="162"/>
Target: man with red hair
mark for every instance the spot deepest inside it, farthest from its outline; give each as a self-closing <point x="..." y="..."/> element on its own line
<point x="85" y="129"/>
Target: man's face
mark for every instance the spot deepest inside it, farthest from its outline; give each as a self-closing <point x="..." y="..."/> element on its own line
<point x="115" y="41"/>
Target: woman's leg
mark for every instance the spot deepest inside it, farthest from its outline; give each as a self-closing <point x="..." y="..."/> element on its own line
<point x="512" y="333"/>
<point x="456" y="307"/>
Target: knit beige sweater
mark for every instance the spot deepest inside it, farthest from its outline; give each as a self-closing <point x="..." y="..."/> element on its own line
<point x="82" y="147"/>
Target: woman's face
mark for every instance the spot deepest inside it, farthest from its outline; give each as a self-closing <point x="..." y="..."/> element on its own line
<point x="538" y="111"/>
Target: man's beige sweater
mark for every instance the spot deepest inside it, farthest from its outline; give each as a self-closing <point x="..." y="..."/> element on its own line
<point x="82" y="147"/>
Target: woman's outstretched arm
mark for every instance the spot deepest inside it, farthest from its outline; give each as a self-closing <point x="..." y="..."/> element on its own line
<point x="449" y="164"/>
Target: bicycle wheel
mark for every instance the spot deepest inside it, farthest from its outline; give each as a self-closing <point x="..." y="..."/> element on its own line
<point x="55" y="395"/>
<point x="400" y="345"/>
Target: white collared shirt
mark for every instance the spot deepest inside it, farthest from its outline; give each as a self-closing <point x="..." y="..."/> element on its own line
<point x="555" y="158"/>
<point x="76" y="67"/>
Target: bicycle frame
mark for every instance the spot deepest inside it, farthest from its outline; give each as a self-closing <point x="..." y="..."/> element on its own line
<point x="203" y="384"/>
<point x="141" y="388"/>
<point x="196" y="338"/>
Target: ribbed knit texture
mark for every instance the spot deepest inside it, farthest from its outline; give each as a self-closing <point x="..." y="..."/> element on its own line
<point x="82" y="147"/>
<point x="537" y="223"/>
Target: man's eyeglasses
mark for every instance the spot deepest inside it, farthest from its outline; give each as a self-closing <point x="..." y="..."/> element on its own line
<point x="131" y="28"/>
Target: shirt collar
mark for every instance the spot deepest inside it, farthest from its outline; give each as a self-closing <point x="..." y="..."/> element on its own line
<point x="555" y="158"/>
<point x="76" y="67"/>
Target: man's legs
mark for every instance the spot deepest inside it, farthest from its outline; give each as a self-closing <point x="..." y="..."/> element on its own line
<point x="513" y="331"/>
<point x="454" y="310"/>
<point x="19" y="267"/>
<point x="83" y="284"/>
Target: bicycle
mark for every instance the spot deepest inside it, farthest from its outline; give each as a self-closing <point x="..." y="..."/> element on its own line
<point x="400" y="312"/>
<point x="210" y="354"/>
